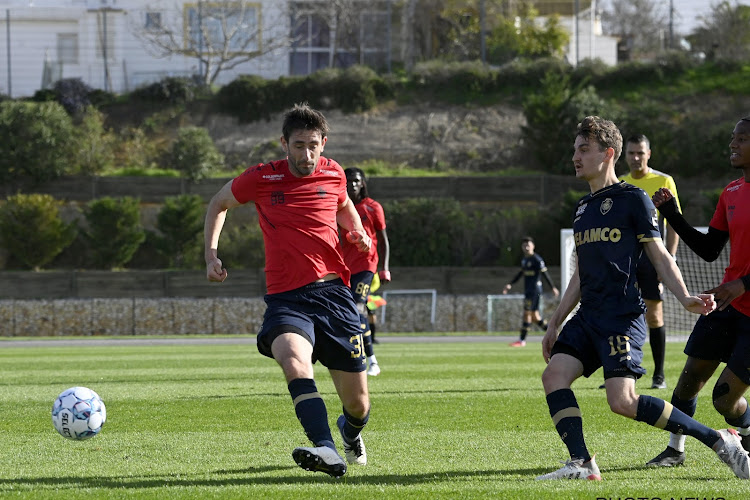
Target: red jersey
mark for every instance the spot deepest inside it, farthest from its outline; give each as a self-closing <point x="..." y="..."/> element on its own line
<point x="298" y="218"/>
<point x="373" y="220"/>
<point x="733" y="216"/>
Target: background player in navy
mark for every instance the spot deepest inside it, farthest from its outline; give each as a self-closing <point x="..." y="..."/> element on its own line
<point x="532" y="269"/>
<point x="724" y="335"/>
<point x="364" y="265"/>
<point x="310" y="315"/>
<point x="612" y="226"/>
<point x="637" y="154"/>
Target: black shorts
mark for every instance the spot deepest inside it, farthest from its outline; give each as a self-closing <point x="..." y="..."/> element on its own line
<point x="619" y="350"/>
<point x="325" y="314"/>
<point x="723" y="336"/>
<point x="648" y="280"/>
<point x="531" y="301"/>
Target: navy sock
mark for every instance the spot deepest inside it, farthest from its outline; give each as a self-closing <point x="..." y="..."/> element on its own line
<point x="686" y="406"/>
<point x="311" y="411"/>
<point x="542" y="324"/>
<point x="372" y="331"/>
<point x="524" y="330"/>
<point x="566" y="415"/>
<point x="366" y="338"/>
<point x="658" y="339"/>
<point x="353" y="425"/>
<point x="741" y="421"/>
<point x="663" y="415"/>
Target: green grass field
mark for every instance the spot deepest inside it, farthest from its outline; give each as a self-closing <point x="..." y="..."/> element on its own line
<point x="449" y="420"/>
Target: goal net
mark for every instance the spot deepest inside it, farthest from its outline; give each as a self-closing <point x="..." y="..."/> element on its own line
<point x="698" y="275"/>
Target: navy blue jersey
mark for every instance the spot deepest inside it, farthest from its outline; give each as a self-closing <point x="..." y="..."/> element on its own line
<point x="610" y="227"/>
<point x="532" y="268"/>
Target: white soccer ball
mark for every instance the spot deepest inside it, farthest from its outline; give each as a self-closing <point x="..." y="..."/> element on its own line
<point x="78" y="413"/>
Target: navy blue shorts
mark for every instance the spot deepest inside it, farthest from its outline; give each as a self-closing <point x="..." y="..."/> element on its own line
<point x="618" y="350"/>
<point x="361" y="286"/>
<point x="723" y="336"/>
<point x="325" y="314"/>
<point x="648" y="280"/>
<point x="531" y="301"/>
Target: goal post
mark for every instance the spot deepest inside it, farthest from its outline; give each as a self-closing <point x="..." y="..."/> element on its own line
<point x="504" y="312"/>
<point x="697" y="274"/>
<point x="408" y="305"/>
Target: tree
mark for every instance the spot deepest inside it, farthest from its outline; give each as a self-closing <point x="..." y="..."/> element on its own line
<point x="642" y="25"/>
<point x="32" y="229"/>
<point x="114" y="230"/>
<point x="724" y="33"/>
<point x="180" y="222"/>
<point x="37" y="141"/>
<point x="194" y="153"/>
<point x="220" y="35"/>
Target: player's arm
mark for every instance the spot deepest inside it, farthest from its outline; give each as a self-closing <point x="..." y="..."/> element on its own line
<point x="348" y="218"/>
<point x="507" y="287"/>
<point x="568" y="302"/>
<point x="549" y="281"/>
<point x="707" y="246"/>
<point x="672" y="278"/>
<point x="384" y="253"/>
<point x="216" y="215"/>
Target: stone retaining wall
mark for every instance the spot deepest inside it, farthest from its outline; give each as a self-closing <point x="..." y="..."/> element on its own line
<point x="227" y="315"/>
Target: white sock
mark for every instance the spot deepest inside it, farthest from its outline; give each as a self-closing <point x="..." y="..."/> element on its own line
<point x="372" y="360"/>
<point x="677" y="441"/>
<point x="744" y="431"/>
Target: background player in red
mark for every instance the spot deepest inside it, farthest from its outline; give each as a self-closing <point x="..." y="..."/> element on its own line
<point x="364" y="265"/>
<point x="310" y="315"/>
<point x="724" y="335"/>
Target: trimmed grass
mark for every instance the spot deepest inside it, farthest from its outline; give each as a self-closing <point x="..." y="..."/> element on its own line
<point x="459" y="420"/>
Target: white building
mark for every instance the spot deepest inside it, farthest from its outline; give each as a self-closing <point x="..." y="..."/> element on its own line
<point x="42" y="41"/>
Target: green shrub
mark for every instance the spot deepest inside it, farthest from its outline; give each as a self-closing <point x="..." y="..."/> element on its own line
<point x="171" y="90"/>
<point x="246" y="97"/>
<point x="32" y="230"/>
<point x="114" y="230"/>
<point x="180" y="224"/>
<point x="427" y="232"/>
<point x="355" y="89"/>
<point x="241" y="246"/>
<point x="455" y="81"/>
<point x="194" y="154"/>
<point x="37" y="141"/>
<point x="95" y="144"/>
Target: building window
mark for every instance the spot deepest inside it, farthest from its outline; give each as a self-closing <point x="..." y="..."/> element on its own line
<point x="67" y="48"/>
<point x="321" y="38"/>
<point x="153" y="21"/>
<point x="226" y="23"/>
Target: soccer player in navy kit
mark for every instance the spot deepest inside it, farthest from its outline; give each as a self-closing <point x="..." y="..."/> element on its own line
<point x="532" y="268"/>
<point x="310" y="316"/>
<point x="612" y="226"/>
<point x="724" y="335"/>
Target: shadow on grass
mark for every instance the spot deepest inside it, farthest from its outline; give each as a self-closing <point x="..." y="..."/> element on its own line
<point x="250" y="477"/>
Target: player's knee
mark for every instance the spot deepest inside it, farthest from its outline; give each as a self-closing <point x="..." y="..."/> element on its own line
<point x="358" y="408"/>
<point x="721" y="399"/>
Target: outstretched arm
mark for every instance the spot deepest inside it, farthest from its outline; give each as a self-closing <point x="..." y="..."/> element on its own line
<point x="507" y="287"/>
<point x="707" y="246"/>
<point x="672" y="277"/>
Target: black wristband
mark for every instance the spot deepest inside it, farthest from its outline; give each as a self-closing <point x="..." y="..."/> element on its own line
<point x="746" y="282"/>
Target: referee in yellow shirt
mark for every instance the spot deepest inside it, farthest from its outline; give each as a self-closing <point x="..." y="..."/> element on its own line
<point x="637" y="154"/>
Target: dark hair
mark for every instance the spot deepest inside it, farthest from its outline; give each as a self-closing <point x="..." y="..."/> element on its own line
<point x="303" y="117"/>
<point x="602" y="131"/>
<point x="527" y="239"/>
<point x="351" y="172"/>
<point x="639" y="138"/>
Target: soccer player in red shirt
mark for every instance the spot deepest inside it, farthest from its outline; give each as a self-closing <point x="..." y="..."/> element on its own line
<point x="723" y="335"/>
<point x="364" y="265"/>
<point x="310" y="315"/>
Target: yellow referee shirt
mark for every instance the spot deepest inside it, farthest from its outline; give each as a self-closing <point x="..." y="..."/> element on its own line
<point x="652" y="182"/>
